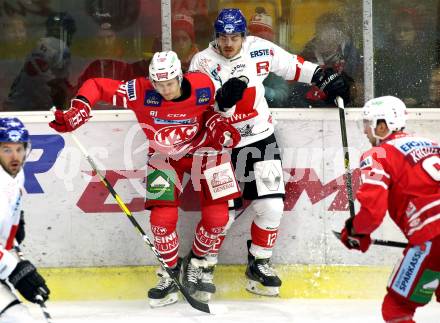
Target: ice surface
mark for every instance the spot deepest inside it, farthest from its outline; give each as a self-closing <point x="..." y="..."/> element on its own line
<point x="262" y="310"/>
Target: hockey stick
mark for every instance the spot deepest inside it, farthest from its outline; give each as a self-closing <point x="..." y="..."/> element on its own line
<point x="192" y="301"/>
<point x="387" y="243"/>
<point x="38" y="298"/>
<point x="348" y="181"/>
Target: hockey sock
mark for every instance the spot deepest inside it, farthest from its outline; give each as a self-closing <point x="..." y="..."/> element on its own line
<point x="163" y="222"/>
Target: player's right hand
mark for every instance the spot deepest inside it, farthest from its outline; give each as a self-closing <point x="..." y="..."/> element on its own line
<point x="77" y="115"/>
<point x="222" y="134"/>
<point x="332" y="83"/>
<point x="29" y="282"/>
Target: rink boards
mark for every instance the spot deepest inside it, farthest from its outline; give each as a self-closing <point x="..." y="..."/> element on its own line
<point x="75" y="228"/>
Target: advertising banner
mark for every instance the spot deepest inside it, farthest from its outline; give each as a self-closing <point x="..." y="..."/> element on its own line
<point x="73" y="221"/>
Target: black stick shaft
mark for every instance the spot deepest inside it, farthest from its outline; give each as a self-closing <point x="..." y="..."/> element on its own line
<point x="348" y="177"/>
<point x="386" y="243"/>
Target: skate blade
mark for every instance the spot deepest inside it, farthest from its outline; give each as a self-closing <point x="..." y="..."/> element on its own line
<point x="168" y="300"/>
<point x="204" y="297"/>
<point x="257" y="288"/>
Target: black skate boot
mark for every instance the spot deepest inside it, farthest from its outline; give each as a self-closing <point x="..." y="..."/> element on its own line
<point x="192" y="274"/>
<point x="206" y="288"/>
<point x="262" y="278"/>
<point x="166" y="291"/>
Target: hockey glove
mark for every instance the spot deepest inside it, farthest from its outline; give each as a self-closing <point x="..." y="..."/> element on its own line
<point x="222" y="134"/>
<point x="331" y="83"/>
<point x="20" y="234"/>
<point x="354" y="241"/>
<point x="29" y="282"/>
<point x="230" y="93"/>
<point x="77" y="115"/>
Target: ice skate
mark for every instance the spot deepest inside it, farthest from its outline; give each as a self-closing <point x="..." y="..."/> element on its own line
<point x="207" y="287"/>
<point x="192" y="275"/>
<point x="262" y="277"/>
<point x="166" y="291"/>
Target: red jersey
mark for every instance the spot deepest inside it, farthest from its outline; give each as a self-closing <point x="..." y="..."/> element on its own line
<point x="172" y="127"/>
<point x="401" y="175"/>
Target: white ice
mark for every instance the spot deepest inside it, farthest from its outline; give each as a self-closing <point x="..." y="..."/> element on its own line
<point x="262" y="310"/>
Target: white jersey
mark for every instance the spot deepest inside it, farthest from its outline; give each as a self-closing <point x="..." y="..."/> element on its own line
<point x="49" y="60"/>
<point x="257" y="58"/>
<point x="11" y="191"/>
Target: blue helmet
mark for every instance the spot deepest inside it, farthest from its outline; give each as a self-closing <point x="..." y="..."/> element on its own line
<point x="13" y="130"/>
<point x="230" y="21"/>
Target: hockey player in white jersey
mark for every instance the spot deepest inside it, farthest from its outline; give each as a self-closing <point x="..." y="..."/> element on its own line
<point x="230" y="57"/>
<point x="21" y="274"/>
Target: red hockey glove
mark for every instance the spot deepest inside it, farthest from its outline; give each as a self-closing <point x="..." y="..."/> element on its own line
<point x="77" y="115"/>
<point x="222" y="134"/>
<point x="354" y="241"/>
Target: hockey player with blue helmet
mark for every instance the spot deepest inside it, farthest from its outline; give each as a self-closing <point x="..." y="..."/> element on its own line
<point x="238" y="64"/>
<point x="22" y="274"/>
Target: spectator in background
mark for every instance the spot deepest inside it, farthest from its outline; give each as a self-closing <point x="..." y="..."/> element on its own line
<point x="15" y="31"/>
<point x="109" y="64"/>
<point x="403" y="69"/>
<point x="331" y="47"/>
<point x="108" y="44"/>
<point x="184" y="39"/>
<point x="433" y="100"/>
<point x="44" y="77"/>
<point x="203" y="30"/>
<point x="190" y="7"/>
<point x="276" y="88"/>
<point x="14" y="47"/>
<point x="198" y="11"/>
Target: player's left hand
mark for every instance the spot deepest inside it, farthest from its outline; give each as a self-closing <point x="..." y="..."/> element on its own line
<point x="354" y="241"/>
<point x="332" y="83"/>
<point x="29" y="282"/>
<point x="230" y="93"/>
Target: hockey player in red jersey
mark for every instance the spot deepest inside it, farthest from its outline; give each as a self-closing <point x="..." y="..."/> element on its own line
<point x="401" y="175"/>
<point x="233" y="54"/>
<point x="176" y="115"/>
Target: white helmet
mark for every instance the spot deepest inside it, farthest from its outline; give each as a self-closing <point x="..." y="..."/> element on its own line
<point x="388" y="108"/>
<point x="165" y="66"/>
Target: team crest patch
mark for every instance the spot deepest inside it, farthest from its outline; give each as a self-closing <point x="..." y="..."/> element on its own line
<point x="203" y="96"/>
<point x="152" y="98"/>
<point x="367" y="162"/>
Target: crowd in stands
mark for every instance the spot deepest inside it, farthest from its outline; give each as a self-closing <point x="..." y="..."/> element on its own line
<point x="41" y="75"/>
